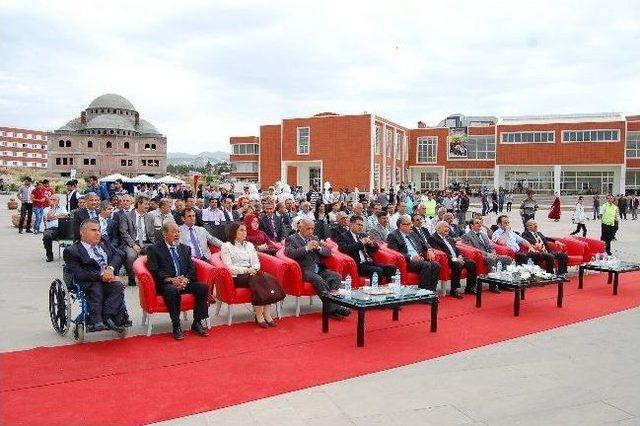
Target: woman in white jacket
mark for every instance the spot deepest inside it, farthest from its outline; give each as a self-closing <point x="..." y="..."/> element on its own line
<point x="579" y="217"/>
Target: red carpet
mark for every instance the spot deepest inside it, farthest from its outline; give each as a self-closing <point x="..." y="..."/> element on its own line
<point x="141" y="380"/>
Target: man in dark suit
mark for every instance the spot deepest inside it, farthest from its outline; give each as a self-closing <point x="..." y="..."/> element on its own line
<point x="454" y="230"/>
<point x="270" y="223"/>
<point x="178" y="208"/>
<point x="305" y="249"/>
<point x="230" y="214"/>
<point x="340" y="227"/>
<point x="442" y="241"/>
<point x="361" y="248"/>
<point x="108" y="227"/>
<point x="92" y="201"/>
<point x="92" y="262"/>
<point x="174" y="272"/>
<point x="544" y="255"/>
<point x="72" y="195"/>
<point x="418" y="254"/>
<point x="136" y="233"/>
<point x="419" y="231"/>
<point x="477" y="239"/>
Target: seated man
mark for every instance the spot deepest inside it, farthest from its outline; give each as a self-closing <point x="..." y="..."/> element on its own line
<point x="305" y="249"/>
<point x="543" y="254"/>
<point x="479" y="240"/>
<point x="162" y="214"/>
<point x="92" y="262"/>
<point x="360" y="247"/>
<point x="271" y="223"/>
<point x="455" y="231"/>
<point x="442" y="241"/>
<point x="380" y="231"/>
<point x="505" y="236"/>
<point x="418" y="254"/>
<point x="178" y="208"/>
<point x="341" y="226"/>
<point x="108" y="227"/>
<point x="174" y="272"/>
<point x="136" y="233"/>
<point x="418" y="230"/>
<point x="196" y="237"/>
<point x="51" y="215"/>
<point x="91" y="203"/>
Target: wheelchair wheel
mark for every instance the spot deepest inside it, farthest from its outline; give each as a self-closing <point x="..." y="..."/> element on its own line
<point x="78" y="332"/>
<point x="59" y="306"/>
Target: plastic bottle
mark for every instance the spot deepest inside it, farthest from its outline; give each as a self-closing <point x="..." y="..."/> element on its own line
<point x="374" y="281"/>
<point x="397" y="279"/>
<point x="530" y="262"/>
<point x="499" y="266"/>
<point x="347" y="285"/>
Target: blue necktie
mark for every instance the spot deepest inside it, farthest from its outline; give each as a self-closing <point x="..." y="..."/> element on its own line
<point x="176" y="261"/>
<point x="194" y="243"/>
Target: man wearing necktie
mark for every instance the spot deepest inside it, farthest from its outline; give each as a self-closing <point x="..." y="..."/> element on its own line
<point x="361" y="248"/>
<point x="92" y="201"/>
<point x="270" y="223"/>
<point x="479" y="240"/>
<point x="196" y="237"/>
<point x="442" y="241"/>
<point x="418" y="230"/>
<point x="174" y="273"/>
<point x="544" y="256"/>
<point x="92" y="262"/>
<point x="304" y="248"/>
<point x="136" y="233"/>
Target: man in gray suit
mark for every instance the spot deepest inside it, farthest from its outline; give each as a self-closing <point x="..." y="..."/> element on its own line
<point x="478" y="239"/>
<point x="136" y="233"/>
<point x="196" y="237"/>
<point x="305" y="249"/>
<point x="380" y="230"/>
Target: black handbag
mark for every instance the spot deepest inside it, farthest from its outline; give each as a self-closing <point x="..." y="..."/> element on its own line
<point x="265" y="289"/>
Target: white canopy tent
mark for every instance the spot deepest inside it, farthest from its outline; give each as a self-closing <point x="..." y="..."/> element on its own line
<point x="114" y="177"/>
<point x="142" y="179"/>
<point x="170" y="180"/>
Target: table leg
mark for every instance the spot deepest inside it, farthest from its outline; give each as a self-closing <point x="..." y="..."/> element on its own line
<point x="434" y="316"/>
<point x="325" y="317"/>
<point x="560" y="293"/>
<point x="479" y="294"/>
<point x="360" y="337"/>
<point x="580" y="276"/>
<point x="522" y="293"/>
<point x="396" y="312"/>
<point x="615" y="283"/>
<point x="610" y="279"/>
<point x="516" y="303"/>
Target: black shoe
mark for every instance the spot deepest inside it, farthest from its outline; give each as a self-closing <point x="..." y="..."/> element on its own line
<point x="343" y="311"/>
<point x="19" y="231"/>
<point x="200" y="329"/>
<point x="96" y="327"/>
<point x="495" y="289"/>
<point x="49" y="259"/>
<point x="456" y="294"/>
<point x="29" y="231"/>
<point x="122" y="320"/>
<point x="272" y="323"/>
<point x="469" y="290"/>
<point x="112" y="325"/>
<point x="177" y="332"/>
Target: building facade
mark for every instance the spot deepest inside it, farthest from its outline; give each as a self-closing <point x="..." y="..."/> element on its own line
<point x="23" y="148"/>
<point x="108" y="137"/>
<point x="565" y="153"/>
<point x="245" y="154"/>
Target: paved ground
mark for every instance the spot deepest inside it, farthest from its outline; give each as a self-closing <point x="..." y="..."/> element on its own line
<point x="587" y="373"/>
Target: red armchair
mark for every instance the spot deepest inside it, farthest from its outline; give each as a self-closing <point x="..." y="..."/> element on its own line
<point x="293" y="282"/>
<point x="577" y="251"/>
<point x="472" y="253"/>
<point x="151" y="302"/>
<point x="387" y="255"/>
<point x="593" y="246"/>
<point x="503" y="250"/>
<point x="227" y="293"/>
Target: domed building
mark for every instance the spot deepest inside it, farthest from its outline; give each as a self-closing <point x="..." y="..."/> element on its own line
<point x="108" y="137"/>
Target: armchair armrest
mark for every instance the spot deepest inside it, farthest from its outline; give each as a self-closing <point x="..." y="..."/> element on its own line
<point x="503" y="250"/>
<point x="222" y="279"/>
<point x="205" y="273"/>
<point x="146" y="284"/>
<point x="274" y="266"/>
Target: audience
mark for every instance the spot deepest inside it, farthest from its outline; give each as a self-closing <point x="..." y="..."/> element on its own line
<point x="443" y="241"/>
<point x="51" y="215"/>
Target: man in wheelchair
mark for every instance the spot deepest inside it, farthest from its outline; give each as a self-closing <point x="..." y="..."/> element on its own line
<point x="92" y="262"/>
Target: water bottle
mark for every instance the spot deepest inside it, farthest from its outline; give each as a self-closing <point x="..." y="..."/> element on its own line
<point x="347" y="286"/>
<point x="499" y="266"/>
<point x="530" y="262"/>
<point x="374" y="281"/>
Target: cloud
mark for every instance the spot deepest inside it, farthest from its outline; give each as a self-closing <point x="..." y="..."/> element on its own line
<point x="204" y="71"/>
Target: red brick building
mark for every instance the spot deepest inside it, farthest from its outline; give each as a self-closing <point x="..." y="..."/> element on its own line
<point x="570" y="154"/>
<point x="23" y="148"/>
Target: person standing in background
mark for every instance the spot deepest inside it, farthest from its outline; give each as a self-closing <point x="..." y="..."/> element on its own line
<point x="596" y="207"/>
<point x="610" y="217"/>
<point x="555" y="209"/>
<point x="633" y="206"/>
<point x="579" y="217"/>
<point x="26" y="209"/>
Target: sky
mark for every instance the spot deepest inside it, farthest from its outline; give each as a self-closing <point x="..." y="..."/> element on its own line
<point x="202" y="71"/>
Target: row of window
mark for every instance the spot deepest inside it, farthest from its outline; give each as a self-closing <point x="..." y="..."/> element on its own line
<point x="68" y="161"/>
<point x="109" y="132"/>
<point x="23" y="145"/>
<point x="23" y="154"/>
<point x="23" y="135"/>
<point x="607" y="135"/>
<point x="528" y="137"/>
<point x="109" y="111"/>
<point x="400" y="143"/>
<point x="108" y="145"/>
<point x="247" y="148"/>
<point x="23" y="164"/>
<point x="633" y="144"/>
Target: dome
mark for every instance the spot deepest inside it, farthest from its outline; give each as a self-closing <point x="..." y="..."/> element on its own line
<point x="110" y="121"/>
<point x="146" y="127"/>
<point x="111" y="100"/>
<point x="72" y="125"/>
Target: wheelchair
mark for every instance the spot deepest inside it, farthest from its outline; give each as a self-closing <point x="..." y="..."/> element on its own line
<point x="63" y="294"/>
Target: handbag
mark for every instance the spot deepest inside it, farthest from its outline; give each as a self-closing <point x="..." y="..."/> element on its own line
<point x="265" y="289"/>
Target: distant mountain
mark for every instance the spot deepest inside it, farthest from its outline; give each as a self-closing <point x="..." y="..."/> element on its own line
<point x="196" y="160"/>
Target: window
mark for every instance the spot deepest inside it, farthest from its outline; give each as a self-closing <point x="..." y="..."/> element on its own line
<point x="376" y="175"/>
<point x="477" y="148"/>
<point x="632" y="180"/>
<point x="88" y="161"/>
<point x="64" y="161"/>
<point x="244" y="166"/>
<point x="109" y="145"/>
<point x="126" y="163"/>
<point x="399" y="143"/>
<point x="586" y="182"/>
<point x="245" y="148"/>
<point x="303" y="140"/>
<point x="58" y="161"/>
<point x="89" y="144"/>
<point x="527" y="137"/>
<point x="387" y="177"/>
<point x="475" y="178"/>
<point x="126" y="145"/>
<point x="388" y="143"/>
<point x="427" y="149"/>
<point x="61" y="143"/>
<point x="541" y="181"/>
<point x="633" y="144"/>
<point x="610" y="135"/>
<point x="67" y="144"/>
<point x="378" y="140"/>
<point x="429" y="181"/>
